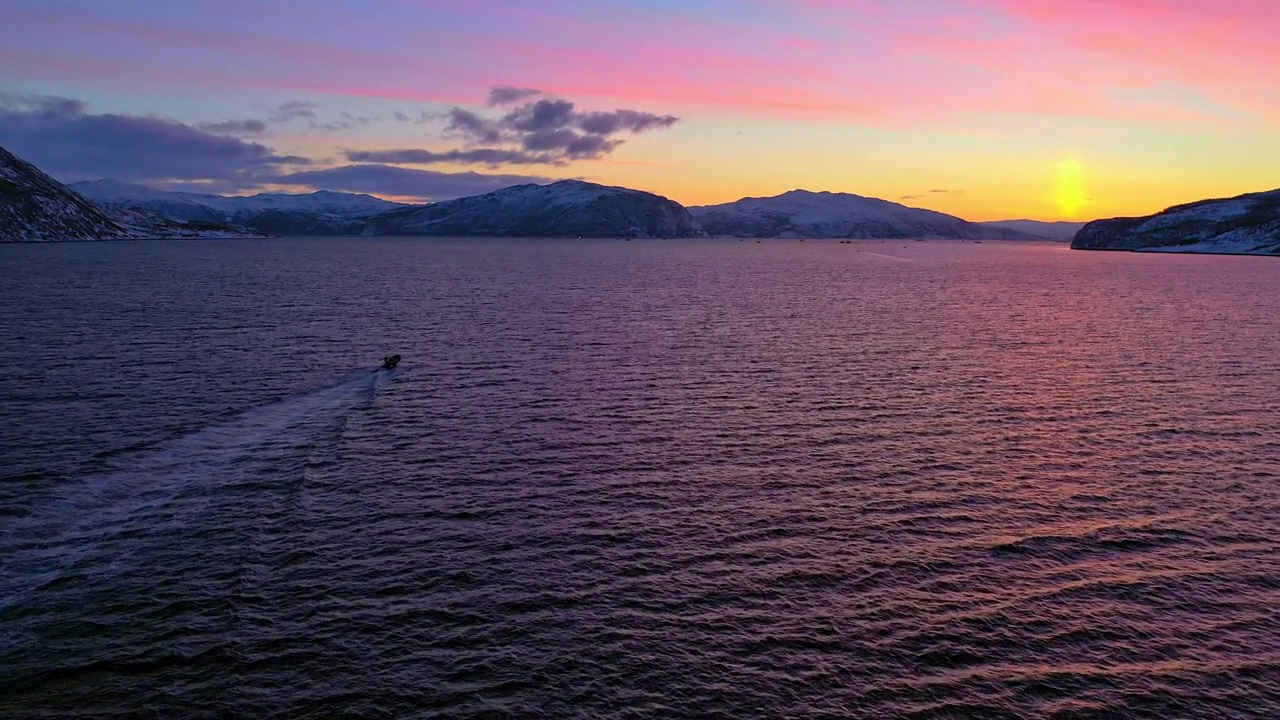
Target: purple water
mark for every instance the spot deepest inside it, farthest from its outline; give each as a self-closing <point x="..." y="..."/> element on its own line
<point x="631" y="480"/>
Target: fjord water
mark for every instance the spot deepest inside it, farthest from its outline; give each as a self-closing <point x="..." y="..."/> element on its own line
<point x="631" y="480"/>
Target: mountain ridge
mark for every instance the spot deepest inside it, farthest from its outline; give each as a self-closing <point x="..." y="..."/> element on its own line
<point x="567" y="208"/>
<point x="1059" y="230"/>
<point x="233" y="210"/>
<point x="34" y="207"/>
<point x="825" y="214"/>
<point x="1246" y="224"/>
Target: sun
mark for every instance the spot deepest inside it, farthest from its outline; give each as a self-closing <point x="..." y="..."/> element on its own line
<point x="1070" y="188"/>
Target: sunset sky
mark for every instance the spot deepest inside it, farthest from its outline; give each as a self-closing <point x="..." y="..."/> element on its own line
<point x="987" y="109"/>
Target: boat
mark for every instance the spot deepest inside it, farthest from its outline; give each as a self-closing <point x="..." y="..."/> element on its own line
<point x="390" y="362"/>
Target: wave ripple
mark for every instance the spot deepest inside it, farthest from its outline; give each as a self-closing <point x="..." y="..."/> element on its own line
<point x="638" y="480"/>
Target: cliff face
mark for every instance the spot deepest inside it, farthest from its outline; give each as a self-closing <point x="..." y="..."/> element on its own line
<point x="1248" y="224"/>
<point x="36" y="208"/>
<point x="569" y="208"/>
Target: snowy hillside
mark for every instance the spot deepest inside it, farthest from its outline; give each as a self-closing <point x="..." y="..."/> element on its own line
<point x="142" y="223"/>
<point x="569" y="208"/>
<point x="1248" y="224"/>
<point x="175" y="206"/>
<point x="323" y="202"/>
<point x="805" y="214"/>
<point x="325" y="211"/>
<point x="34" y="207"/>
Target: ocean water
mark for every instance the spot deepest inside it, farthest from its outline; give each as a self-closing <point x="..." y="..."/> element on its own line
<point x="675" y="479"/>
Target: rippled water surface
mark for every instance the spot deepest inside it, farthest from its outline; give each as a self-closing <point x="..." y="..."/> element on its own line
<point x="631" y="480"/>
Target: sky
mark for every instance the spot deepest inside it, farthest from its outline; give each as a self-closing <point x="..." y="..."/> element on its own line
<point x="985" y="109"/>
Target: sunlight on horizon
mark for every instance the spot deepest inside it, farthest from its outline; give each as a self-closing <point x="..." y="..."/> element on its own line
<point x="1070" y="188"/>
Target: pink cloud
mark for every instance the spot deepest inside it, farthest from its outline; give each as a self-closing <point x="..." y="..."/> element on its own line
<point x="1065" y="57"/>
<point x="1224" y="49"/>
<point x="889" y="63"/>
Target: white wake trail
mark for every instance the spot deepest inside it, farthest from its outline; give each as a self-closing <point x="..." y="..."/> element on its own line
<point x="72" y="529"/>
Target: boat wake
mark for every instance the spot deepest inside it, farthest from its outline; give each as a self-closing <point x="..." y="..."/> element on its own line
<point x="86" y="528"/>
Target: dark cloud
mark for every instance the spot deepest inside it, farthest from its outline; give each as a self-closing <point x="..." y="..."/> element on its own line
<point x="473" y="127"/>
<point x="475" y="156"/>
<point x="540" y="116"/>
<point x="936" y="191"/>
<point x="61" y="137"/>
<point x="394" y="181"/>
<point x="505" y="95"/>
<point x="50" y="104"/>
<point x="570" y="143"/>
<point x="233" y="127"/>
<point x="608" y="123"/>
<point x="546" y="130"/>
<point x="421" y="118"/>
<point x="549" y="139"/>
<point x="309" y="111"/>
<point x="293" y="110"/>
<point x="345" y="121"/>
<point x="591" y="146"/>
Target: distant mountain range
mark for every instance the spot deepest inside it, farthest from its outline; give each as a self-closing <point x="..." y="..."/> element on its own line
<point x="35" y="207"/>
<point x="1243" y="225"/>
<point x="1062" y="231"/>
<point x="569" y="208"/>
<point x="270" y="214"/>
<point x="804" y="214"/>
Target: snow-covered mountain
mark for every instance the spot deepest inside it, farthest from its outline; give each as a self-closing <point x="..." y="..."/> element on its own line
<point x="35" y="207"/>
<point x="143" y="223"/>
<point x="323" y="202"/>
<point x="233" y="210"/>
<point x="1248" y="224"/>
<point x="569" y="208"/>
<point x="805" y="214"/>
<point x="175" y="206"/>
<point x="1037" y="229"/>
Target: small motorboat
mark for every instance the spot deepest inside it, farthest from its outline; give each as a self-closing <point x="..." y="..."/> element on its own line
<point x="390" y="362"/>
